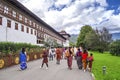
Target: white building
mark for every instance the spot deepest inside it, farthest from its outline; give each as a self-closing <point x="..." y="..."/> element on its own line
<point x="18" y="24"/>
<point x="67" y="36"/>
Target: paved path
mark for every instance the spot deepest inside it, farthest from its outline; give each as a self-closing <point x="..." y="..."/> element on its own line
<point x="55" y="72"/>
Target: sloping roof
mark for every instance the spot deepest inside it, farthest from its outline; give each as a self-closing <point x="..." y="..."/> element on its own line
<point x="28" y="12"/>
<point x="64" y="33"/>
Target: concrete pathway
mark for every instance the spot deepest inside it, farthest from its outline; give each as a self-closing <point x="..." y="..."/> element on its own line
<point x="55" y="72"/>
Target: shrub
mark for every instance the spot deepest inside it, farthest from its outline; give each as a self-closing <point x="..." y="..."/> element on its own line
<point x="11" y="47"/>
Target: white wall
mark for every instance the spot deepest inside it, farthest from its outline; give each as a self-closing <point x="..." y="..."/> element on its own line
<point x="66" y="43"/>
<point x="59" y="41"/>
<point x="3" y="30"/>
<point x="12" y="35"/>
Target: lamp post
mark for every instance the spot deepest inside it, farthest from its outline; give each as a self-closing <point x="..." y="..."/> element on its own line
<point x="104" y="69"/>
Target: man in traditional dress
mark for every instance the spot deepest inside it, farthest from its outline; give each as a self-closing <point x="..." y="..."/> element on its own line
<point x="45" y="58"/>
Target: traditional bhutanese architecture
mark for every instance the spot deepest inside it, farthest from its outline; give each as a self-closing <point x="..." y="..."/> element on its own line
<point x="18" y="24"/>
<point x="67" y="36"/>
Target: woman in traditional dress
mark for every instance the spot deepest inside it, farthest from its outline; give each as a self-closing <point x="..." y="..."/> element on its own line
<point x="69" y="56"/>
<point x="58" y="55"/>
<point x="84" y="59"/>
<point x="23" y="59"/>
<point x="79" y="59"/>
<point x="45" y="58"/>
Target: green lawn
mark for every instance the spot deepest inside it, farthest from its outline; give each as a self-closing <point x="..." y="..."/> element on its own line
<point x="112" y="64"/>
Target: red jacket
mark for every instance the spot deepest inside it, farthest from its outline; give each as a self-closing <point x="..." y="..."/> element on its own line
<point x="84" y="55"/>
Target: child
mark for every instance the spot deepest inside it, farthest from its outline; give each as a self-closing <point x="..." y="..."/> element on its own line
<point x="90" y="61"/>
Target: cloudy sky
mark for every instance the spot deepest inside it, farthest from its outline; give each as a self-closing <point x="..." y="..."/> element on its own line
<point x="71" y="15"/>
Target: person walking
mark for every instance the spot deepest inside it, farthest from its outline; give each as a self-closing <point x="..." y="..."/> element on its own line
<point x="45" y="58"/>
<point x="79" y="59"/>
<point x="75" y="51"/>
<point x="58" y="55"/>
<point x="91" y="59"/>
<point x="23" y="59"/>
<point x="84" y="59"/>
<point x="69" y="56"/>
<point x="51" y="54"/>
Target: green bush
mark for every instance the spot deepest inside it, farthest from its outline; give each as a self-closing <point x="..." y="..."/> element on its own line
<point x="11" y="47"/>
<point x="115" y="48"/>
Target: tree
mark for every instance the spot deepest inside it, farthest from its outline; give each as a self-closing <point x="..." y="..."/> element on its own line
<point x="104" y="38"/>
<point x="95" y="40"/>
<point x="114" y="48"/>
<point x="72" y="44"/>
<point x="83" y="32"/>
<point x="92" y="40"/>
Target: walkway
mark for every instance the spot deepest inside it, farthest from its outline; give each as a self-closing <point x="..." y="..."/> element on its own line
<point x="55" y="72"/>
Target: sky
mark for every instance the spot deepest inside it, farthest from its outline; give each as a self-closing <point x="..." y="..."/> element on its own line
<point x="71" y="15"/>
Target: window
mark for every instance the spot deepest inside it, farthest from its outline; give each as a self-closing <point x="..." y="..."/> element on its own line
<point x="35" y="25"/>
<point x="22" y="28"/>
<point x="16" y="26"/>
<point x="10" y="12"/>
<point x="14" y="14"/>
<point x="25" y="20"/>
<point x="9" y="23"/>
<point x="6" y="9"/>
<point x="31" y="31"/>
<point x="20" y="17"/>
<point x="27" y="30"/>
<point x="35" y="32"/>
<point x="0" y="20"/>
<point x="32" y="24"/>
<point x="17" y="15"/>
<point x="38" y="41"/>
<point x="1" y="7"/>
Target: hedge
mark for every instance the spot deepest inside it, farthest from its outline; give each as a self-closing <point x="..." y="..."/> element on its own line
<point x="14" y="48"/>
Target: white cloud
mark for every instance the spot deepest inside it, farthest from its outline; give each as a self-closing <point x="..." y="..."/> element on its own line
<point x="75" y="15"/>
<point x="62" y="2"/>
<point x="102" y="2"/>
<point x="118" y="10"/>
<point x="112" y="24"/>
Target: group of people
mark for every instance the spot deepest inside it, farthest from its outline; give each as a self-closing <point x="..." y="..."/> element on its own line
<point x="83" y="58"/>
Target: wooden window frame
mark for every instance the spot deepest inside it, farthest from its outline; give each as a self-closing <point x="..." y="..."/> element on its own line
<point x="35" y="32"/>
<point x="14" y="14"/>
<point x="31" y="31"/>
<point x="6" y="9"/>
<point x="9" y="23"/>
<point x="22" y="28"/>
<point x="0" y="20"/>
<point x="20" y="17"/>
<point x="16" y="26"/>
<point x="27" y="30"/>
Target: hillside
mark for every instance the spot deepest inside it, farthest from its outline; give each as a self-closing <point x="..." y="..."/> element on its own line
<point x="73" y="38"/>
<point x="115" y="36"/>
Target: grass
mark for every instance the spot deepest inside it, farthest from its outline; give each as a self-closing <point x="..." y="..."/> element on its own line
<point x="112" y="64"/>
